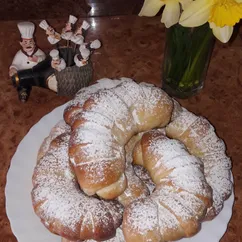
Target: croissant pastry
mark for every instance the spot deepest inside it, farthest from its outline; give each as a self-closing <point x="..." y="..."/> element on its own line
<point x="61" y="205"/>
<point x="179" y="203"/>
<point x="102" y="126"/>
<point x="200" y="138"/>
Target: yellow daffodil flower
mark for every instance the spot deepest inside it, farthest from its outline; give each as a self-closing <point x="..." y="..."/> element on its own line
<point x="222" y="15"/>
<point x="171" y="13"/>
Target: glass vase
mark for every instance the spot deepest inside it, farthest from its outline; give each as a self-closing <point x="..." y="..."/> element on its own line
<point x="187" y="55"/>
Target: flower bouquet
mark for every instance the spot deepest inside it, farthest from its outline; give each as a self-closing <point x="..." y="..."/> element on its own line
<point x="191" y="27"/>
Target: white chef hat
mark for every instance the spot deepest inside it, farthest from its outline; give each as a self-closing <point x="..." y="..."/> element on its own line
<point x="43" y="24"/>
<point x="26" y="30"/>
<point x="85" y="25"/>
<point x="72" y="19"/>
<point x="95" y="44"/>
<point x="54" y="54"/>
<point x="85" y="53"/>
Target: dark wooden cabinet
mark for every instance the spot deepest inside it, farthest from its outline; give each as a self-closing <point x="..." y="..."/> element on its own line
<point x="46" y="9"/>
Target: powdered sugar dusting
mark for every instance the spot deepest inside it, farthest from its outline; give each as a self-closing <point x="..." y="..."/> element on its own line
<point x="110" y="104"/>
<point x="177" y="109"/>
<point x="181" y="123"/>
<point x="143" y="216"/>
<point x="83" y="94"/>
<point x="167" y="149"/>
<point x="96" y="172"/>
<point x="210" y="149"/>
<point x="99" y="152"/>
<point x="189" y="178"/>
<point x="80" y="99"/>
<point x="100" y="119"/>
<point x="60" y="198"/>
<point x="110" y="119"/>
<point x="130" y="92"/>
<point x="186" y="171"/>
<point x="60" y="128"/>
<point x="154" y="95"/>
<point x="177" y="202"/>
<point x="170" y="221"/>
<point x="171" y="199"/>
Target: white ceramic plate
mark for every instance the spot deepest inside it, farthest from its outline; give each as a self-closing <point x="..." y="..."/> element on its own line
<point x="26" y="225"/>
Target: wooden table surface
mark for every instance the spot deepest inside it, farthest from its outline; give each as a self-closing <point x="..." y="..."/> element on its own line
<point x="132" y="47"/>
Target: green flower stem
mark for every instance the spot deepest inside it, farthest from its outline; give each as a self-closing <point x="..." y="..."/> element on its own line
<point x="191" y="68"/>
<point x="186" y="59"/>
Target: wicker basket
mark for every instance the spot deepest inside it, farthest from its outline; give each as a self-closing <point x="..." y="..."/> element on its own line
<point x="72" y="78"/>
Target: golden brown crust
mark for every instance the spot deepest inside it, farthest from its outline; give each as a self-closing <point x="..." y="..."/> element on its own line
<point x="58" y="129"/>
<point x="178" y="205"/>
<point x="200" y="138"/>
<point x="110" y="118"/>
<point x="62" y="207"/>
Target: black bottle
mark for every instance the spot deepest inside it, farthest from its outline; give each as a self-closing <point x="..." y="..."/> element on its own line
<point x="36" y="76"/>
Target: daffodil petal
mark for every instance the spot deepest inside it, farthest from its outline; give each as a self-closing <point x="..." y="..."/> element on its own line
<point x="151" y="8"/>
<point x="196" y="13"/>
<point x="171" y="13"/>
<point x="223" y="34"/>
<point x="186" y="3"/>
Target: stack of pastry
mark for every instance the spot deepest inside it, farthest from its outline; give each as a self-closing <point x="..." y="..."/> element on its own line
<point x="128" y="163"/>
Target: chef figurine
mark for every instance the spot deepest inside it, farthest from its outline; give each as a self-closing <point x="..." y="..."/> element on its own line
<point x="82" y="58"/>
<point x="93" y="45"/>
<point x="67" y="32"/>
<point x="57" y="63"/>
<point x="79" y="35"/>
<point x="53" y="37"/>
<point x="27" y="57"/>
